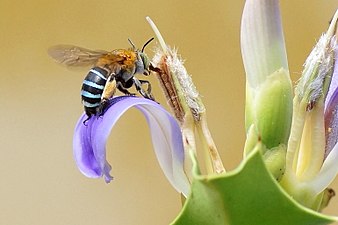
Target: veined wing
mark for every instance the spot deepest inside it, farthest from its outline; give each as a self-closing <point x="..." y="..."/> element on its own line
<point x="71" y="55"/>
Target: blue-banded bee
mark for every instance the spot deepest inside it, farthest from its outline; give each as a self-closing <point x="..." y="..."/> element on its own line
<point x="112" y="70"/>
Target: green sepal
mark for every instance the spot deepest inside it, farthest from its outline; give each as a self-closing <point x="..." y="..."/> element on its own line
<point x="274" y="158"/>
<point x="269" y="108"/>
<point x="249" y="195"/>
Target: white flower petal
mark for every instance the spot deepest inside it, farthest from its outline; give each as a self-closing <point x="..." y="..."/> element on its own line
<point x="327" y="173"/>
<point x="262" y="40"/>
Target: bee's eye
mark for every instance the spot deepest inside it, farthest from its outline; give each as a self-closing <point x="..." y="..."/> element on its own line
<point x="145" y="60"/>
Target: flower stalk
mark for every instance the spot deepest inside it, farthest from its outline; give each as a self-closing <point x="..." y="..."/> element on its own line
<point x="185" y="102"/>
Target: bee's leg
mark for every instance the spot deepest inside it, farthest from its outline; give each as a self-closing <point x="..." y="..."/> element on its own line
<point x="89" y="112"/>
<point x="123" y="89"/>
<point x="108" y="92"/>
<point x="101" y="107"/>
<point x="138" y="85"/>
<point x="148" y="89"/>
<point x="85" y="121"/>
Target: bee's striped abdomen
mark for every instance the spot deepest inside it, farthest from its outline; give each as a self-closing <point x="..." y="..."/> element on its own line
<point x="92" y="89"/>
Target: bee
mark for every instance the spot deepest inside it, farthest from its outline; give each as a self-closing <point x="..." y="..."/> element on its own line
<point x="111" y="70"/>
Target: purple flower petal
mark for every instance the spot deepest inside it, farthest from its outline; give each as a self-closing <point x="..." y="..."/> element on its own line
<point x="331" y="111"/>
<point x="89" y="142"/>
<point x="329" y="168"/>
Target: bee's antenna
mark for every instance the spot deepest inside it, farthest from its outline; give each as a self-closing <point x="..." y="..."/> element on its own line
<point x="132" y="44"/>
<point x="147" y="43"/>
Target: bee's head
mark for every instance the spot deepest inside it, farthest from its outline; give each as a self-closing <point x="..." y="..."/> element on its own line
<point x="142" y="57"/>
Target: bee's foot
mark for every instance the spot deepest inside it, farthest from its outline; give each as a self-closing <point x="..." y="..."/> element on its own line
<point x="86" y="120"/>
<point x="101" y="107"/>
<point x="151" y="97"/>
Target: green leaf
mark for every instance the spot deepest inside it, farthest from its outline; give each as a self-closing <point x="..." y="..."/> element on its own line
<point x="248" y="195"/>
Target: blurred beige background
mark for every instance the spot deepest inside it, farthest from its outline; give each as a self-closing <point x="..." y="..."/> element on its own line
<point x="40" y="102"/>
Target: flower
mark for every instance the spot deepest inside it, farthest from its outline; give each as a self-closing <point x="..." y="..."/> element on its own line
<point x="311" y="160"/>
<point x="268" y="110"/>
<point x="90" y="140"/>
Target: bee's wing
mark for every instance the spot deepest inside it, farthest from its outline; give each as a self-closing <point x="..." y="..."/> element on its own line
<point x="71" y="55"/>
